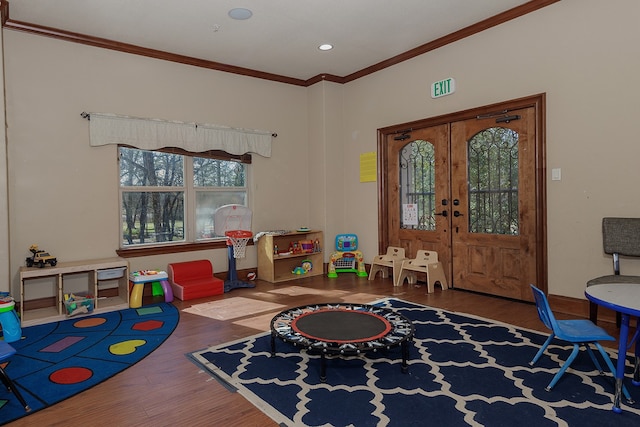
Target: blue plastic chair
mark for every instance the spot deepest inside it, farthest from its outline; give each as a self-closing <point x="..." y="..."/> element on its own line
<point x="577" y="332"/>
<point x="6" y="351"/>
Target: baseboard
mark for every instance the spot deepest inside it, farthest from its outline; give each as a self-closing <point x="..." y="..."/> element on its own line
<point x="579" y="308"/>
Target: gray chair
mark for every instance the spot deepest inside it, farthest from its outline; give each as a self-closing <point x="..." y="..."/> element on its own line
<point x="620" y="237"/>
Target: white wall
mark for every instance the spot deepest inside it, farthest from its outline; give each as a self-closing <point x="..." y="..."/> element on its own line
<point x="4" y="191"/>
<point x="582" y="53"/>
<point x="327" y="162"/>
<point x="63" y="193"/>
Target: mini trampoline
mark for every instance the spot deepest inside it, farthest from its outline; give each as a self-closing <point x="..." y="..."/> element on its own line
<point x="342" y="329"/>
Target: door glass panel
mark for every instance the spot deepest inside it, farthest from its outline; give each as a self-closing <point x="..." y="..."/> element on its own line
<point x="493" y="182"/>
<point x="417" y="186"/>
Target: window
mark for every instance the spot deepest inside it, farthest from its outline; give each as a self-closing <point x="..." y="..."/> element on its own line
<point x="493" y="182"/>
<point x="417" y="183"/>
<point x="169" y="196"/>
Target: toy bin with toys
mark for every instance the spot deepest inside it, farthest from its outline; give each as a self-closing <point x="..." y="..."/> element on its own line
<point x="78" y="304"/>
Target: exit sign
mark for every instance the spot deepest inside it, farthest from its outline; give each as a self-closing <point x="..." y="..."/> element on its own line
<point x="443" y="87"/>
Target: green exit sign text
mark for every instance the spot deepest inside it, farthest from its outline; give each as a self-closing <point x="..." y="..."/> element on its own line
<point x="443" y="87"/>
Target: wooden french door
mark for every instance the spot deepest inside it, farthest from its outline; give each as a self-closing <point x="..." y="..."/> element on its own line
<point x="419" y="189"/>
<point x="473" y="190"/>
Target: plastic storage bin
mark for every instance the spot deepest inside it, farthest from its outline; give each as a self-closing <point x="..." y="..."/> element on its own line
<point x="111" y="273"/>
<point x="78" y="304"/>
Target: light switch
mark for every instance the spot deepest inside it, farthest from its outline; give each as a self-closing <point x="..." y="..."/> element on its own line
<point x="556" y="174"/>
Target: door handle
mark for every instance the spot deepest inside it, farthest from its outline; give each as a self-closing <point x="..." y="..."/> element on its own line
<point x="457" y="214"/>
<point x="443" y="213"/>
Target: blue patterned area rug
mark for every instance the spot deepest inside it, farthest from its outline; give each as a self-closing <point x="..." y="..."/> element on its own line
<point x="55" y="361"/>
<point x="463" y="370"/>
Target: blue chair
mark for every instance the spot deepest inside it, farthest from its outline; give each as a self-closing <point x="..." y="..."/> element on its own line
<point x="6" y="351"/>
<point x="576" y="332"/>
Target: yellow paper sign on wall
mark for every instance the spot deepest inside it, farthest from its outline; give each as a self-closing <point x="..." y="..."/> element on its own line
<point x="368" y="170"/>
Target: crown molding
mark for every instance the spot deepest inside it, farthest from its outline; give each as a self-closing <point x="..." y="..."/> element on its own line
<point x="478" y="27"/>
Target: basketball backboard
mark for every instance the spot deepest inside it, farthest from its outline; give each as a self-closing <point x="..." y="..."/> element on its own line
<point x="231" y="217"/>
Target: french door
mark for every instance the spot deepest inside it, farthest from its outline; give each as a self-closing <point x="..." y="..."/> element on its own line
<point x="472" y="189"/>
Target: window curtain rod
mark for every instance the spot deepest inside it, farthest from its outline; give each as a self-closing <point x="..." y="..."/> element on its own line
<point x="87" y="116"/>
<point x="150" y="134"/>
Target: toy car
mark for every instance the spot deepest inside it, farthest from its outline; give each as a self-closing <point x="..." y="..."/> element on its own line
<point x="40" y="258"/>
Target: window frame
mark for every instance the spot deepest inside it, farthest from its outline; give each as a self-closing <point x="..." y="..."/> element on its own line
<point x="190" y="243"/>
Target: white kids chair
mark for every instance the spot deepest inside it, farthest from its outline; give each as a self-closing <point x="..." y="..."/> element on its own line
<point x="424" y="262"/>
<point x="391" y="260"/>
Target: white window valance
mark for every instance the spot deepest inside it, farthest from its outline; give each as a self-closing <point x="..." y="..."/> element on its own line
<point x="153" y="134"/>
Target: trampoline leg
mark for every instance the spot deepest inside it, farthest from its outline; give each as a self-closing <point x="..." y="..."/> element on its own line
<point x="323" y="368"/>
<point x="273" y="345"/>
<point x="405" y="357"/>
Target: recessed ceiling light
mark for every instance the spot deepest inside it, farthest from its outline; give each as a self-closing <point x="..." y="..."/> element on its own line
<point x="325" y="47"/>
<point x="240" y="13"/>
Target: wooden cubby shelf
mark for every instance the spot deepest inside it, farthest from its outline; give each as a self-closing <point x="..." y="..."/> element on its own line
<point x="97" y="273"/>
<point x="279" y="268"/>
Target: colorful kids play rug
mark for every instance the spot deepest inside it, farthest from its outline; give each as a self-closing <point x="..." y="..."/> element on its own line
<point x="55" y="361"/>
<point x="463" y="371"/>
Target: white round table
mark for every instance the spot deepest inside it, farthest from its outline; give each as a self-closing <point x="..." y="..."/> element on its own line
<point x="625" y="299"/>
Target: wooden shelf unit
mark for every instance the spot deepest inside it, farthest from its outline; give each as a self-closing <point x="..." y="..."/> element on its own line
<point x="91" y="268"/>
<point x="278" y="268"/>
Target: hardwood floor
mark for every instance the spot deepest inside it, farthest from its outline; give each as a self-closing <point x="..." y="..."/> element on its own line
<point x="167" y="389"/>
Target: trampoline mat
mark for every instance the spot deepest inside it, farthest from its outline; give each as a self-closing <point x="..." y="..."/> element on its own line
<point x="341" y="326"/>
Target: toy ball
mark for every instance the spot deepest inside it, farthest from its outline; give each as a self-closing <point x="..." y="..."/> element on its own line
<point x="251" y="276"/>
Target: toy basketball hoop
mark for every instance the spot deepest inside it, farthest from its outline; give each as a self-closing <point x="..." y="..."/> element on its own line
<point x="234" y="222"/>
<point x="238" y="239"/>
